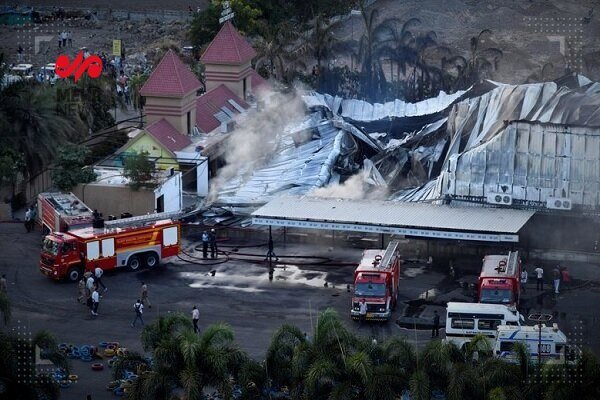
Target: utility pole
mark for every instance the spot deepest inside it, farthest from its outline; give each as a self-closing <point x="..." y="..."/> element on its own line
<point x="539" y="318"/>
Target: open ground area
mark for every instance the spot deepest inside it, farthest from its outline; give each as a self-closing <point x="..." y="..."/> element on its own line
<point x="241" y="295"/>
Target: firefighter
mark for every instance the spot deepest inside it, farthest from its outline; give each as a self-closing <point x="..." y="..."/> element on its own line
<point x="212" y="239"/>
<point x="205" y="239"/>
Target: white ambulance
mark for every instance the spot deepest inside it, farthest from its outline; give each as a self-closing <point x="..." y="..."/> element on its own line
<point x="553" y="345"/>
<point x="466" y="320"/>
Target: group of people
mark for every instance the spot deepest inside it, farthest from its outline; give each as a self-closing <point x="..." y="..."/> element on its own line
<point x="123" y="87"/>
<point x="560" y="275"/>
<point x="30" y="218"/>
<point x="209" y="240"/>
<point x="65" y="38"/>
<point x="88" y="289"/>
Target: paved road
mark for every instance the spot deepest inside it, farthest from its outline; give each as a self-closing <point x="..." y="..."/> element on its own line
<point x="239" y="294"/>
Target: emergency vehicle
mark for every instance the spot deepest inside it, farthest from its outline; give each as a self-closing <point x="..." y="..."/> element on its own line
<point x="60" y="212"/>
<point x="127" y="243"/>
<point x="467" y="320"/>
<point x="376" y="280"/>
<point x="499" y="281"/>
<point x="552" y="346"/>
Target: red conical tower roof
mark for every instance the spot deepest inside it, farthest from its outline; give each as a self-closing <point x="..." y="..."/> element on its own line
<point x="228" y="47"/>
<point x="170" y="78"/>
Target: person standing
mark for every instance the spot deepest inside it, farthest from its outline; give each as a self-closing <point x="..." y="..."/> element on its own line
<point x="212" y="241"/>
<point x="32" y="218"/>
<point x="195" y="318"/>
<point x="435" y="332"/>
<point x="524" y="277"/>
<point x="70" y="38"/>
<point x="539" y="273"/>
<point x="28" y="220"/>
<point x="566" y="278"/>
<point x="81" y="290"/>
<point x="95" y="301"/>
<point x="204" y="244"/>
<point x="3" y="284"/>
<point x="362" y="311"/>
<point x="139" y="310"/>
<point x="556" y="278"/>
<point x="98" y="274"/>
<point x="63" y="37"/>
<point x="89" y="288"/>
<point x="144" y="295"/>
<point x="20" y="53"/>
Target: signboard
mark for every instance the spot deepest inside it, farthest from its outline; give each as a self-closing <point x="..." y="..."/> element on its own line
<point x="116" y="51"/>
<point x="226" y="14"/>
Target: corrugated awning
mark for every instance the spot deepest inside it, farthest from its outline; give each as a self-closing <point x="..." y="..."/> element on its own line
<point x="409" y="219"/>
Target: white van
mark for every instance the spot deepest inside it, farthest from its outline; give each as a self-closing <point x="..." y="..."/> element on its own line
<point x="553" y="344"/>
<point x="466" y="320"/>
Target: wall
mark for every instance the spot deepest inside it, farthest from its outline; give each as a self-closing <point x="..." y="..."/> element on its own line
<point x="201" y="167"/>
<point x="230" y="75"/>
<point x="172" y="109"/>
<point x="116" y="199"/>
<point x="171" y="189"/>
<point x="147" y="143"/>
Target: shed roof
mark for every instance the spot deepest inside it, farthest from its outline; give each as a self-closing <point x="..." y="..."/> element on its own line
<point x="228" y="47"/>
<point x="411" y="219"/>
<point x="211" y="104"/>
<point x="168" y="136"/>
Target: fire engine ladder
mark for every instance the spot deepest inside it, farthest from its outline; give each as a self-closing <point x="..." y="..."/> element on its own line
<point x="389" y="253"/>
<point x="511" y="264"/>
<point x="143" y="219"/>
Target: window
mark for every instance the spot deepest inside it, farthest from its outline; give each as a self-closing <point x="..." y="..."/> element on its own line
<point x="496" y="296"/>
<point x="245" y="88"/>
<point x="488" y="324"/>
<point x="463" y="323"/>
<point x="189" y="122"/>
<point x="93" y="250"/>
<point x="170" y="236"/>
<point x="506" y="346"/>
<point x="108" y="247"/>
<point x="511" y="323"/>
<point x="369" y="290"/>
<point x="50" y="246"/>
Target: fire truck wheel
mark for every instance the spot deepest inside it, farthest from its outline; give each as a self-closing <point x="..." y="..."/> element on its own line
<point x="134" y="263"/>
<point x="74" y="274"/>
<point x="151" y="260"/>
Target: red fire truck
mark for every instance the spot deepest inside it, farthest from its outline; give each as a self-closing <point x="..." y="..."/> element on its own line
<point x="376" y="280"/>
<point x="123" y="243"/>
<point x="499" y="281"/>
<point x="60" y="212"/>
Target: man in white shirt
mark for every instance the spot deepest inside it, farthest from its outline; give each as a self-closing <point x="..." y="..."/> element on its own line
<point x="28" y="220"/>
<point x="195" y="318"/>
<point x="89" y="288"/>
<point x="95" y="302"/>
<point x="362" y="310"/>
<point x="98" y="273"/>
<point x="539" y="274"/>
<point x="139" y="310"/>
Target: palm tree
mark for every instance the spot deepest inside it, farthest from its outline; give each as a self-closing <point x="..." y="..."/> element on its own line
<point x="573" y="380"/>
<point x="186" y="361"/>
<point x="30" y="124"/>
<point x="18" y="375"/>
<point x="274" y="48"/>
<point x="320" y="41"/>
<point x="542" y="74"/>
<point x="481" y="61"/>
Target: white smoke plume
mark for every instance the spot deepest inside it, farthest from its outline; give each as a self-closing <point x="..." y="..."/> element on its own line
<point x="357" y="187"/>
<point x="255" y="138"/>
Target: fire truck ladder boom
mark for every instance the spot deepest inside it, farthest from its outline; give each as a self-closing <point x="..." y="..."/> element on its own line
<point x="512" y="262"/>
<point x="389" y="253"/>
<point x="143" y="219"/>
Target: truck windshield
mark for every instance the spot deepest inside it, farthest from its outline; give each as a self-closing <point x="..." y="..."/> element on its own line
<point x="50" y="246"/>
<point x="369" y="290"/>
<point x="496" y="296"/>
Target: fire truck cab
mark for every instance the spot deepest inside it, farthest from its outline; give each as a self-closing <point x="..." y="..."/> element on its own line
<point x="376" y="280"/>
<point x="499" y="281"/>
<point x="126" y="243"/>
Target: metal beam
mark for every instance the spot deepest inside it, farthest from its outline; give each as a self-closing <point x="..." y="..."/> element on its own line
<point x="428" y="233"/>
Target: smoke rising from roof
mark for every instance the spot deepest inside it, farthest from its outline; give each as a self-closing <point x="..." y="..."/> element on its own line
<point x="254" y="140"/>
<point x="357" y="187"/>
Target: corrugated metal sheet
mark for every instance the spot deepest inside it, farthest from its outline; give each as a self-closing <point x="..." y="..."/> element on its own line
<point x="386" y="213"/>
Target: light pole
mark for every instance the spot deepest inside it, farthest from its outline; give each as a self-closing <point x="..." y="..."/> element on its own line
<point x="539" y="318"/>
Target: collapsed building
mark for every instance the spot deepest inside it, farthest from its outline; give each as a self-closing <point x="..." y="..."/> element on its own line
<point x="532" y="147"/>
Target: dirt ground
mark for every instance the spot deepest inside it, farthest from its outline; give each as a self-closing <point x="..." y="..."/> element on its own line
<point x="531" y="33"/>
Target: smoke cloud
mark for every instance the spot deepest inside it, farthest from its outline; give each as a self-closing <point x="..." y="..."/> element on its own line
<point x="357" y="187"/>
<point x="255" y="138"/>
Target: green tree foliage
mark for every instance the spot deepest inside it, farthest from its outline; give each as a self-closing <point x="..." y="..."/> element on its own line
<point x="11" y="163"/>
<point x="70" y="168"/>
<point x="139" y="170"/>
<point x="19" y="378"/>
